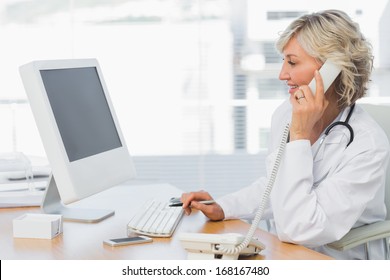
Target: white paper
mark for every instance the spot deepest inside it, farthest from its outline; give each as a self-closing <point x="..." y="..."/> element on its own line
<point x="20" y="198"/>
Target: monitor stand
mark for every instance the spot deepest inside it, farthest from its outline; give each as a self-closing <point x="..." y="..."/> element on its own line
<point x="52" y="204"/>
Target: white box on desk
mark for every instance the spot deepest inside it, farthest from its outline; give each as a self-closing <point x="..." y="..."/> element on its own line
<point x="45" y="226"/>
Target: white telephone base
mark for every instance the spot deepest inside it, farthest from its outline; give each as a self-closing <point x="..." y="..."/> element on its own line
<point x="203" y="246"/>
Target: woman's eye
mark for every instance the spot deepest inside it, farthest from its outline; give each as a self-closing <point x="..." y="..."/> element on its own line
<point x="291" y="63"/>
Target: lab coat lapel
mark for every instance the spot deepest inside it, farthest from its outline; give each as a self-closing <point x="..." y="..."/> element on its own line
<point x="335" y="137"/>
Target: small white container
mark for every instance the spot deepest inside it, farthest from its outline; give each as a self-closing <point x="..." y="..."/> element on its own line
<point x="45" y="226"/>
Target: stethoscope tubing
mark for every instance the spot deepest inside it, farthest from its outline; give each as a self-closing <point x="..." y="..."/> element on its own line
<point x="344" y="123"/>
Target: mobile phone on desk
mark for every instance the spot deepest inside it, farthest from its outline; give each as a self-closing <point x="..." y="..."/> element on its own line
<point x="127" y="241"/>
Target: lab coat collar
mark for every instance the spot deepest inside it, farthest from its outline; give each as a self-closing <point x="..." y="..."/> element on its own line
<point x="338" y="135"/>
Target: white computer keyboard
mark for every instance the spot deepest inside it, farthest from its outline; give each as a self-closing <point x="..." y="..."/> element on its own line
<point x="155" y="219"/>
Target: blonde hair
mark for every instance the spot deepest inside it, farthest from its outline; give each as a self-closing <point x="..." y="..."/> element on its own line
<point x="332" y="35"/>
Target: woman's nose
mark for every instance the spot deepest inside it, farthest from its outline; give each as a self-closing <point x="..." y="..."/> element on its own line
<point x="283" y="74"/>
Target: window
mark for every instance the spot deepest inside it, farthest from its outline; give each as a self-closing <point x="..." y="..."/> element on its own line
<point x="278" y="15"/>
<point x="193" y="82"/>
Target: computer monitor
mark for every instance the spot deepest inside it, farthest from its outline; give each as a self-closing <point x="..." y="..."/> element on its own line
<point x="79" y="131"/>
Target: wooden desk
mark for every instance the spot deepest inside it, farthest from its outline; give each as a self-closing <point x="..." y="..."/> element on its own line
<point x="85" y="241"/>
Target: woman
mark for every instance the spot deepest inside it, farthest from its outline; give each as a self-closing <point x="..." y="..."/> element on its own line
<point x="324" y="186"/>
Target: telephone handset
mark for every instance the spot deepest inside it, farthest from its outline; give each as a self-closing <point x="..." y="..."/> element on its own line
<point x="230" y="246"/>
<point x="329" y="72"/>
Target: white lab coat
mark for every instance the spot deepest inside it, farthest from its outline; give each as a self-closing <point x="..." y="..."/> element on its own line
<point x="317" y="201"/>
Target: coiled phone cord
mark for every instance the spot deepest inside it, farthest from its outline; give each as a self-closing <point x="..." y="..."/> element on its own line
<point x="264" y="199"/>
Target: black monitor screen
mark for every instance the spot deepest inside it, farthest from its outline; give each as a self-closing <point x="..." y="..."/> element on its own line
<point x="81" y="111"/>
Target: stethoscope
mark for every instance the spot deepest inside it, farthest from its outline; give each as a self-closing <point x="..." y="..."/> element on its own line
<point x="331" y="126"/>
<point x="328" y="130"/>
<point x="344" y="123"/>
